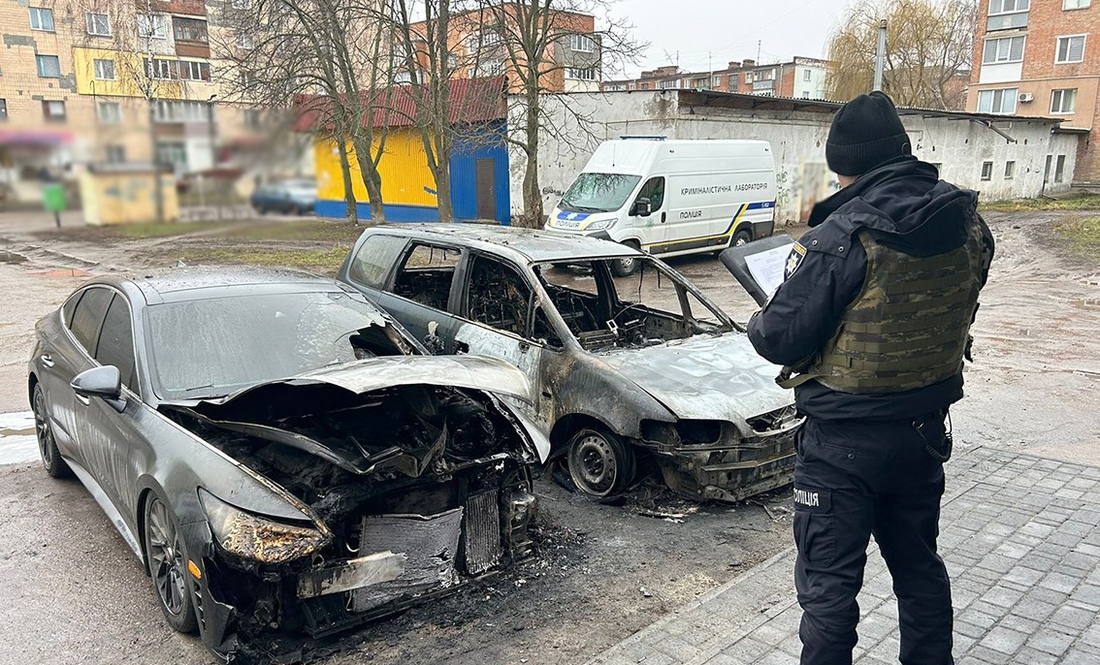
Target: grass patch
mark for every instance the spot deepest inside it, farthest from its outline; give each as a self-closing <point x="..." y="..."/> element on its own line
<point x="320" y="261"/>
<point x="1085" y="202"/>
<point x="1083" y="235"/>
<point x="309" y="229"/>
<point x="155" y="230"/>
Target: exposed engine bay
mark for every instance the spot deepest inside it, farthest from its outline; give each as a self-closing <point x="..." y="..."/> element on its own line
<point x="412" y="490"/>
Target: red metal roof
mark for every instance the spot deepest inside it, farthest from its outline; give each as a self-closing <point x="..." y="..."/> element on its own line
<point x="471" y="101"/>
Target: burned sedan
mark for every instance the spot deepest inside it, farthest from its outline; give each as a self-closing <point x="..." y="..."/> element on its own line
<point x="281" y="457"/>
<point x="627" y="372"/>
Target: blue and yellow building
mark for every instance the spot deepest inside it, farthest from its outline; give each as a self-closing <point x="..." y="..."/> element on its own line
<point x="478" y="165"/>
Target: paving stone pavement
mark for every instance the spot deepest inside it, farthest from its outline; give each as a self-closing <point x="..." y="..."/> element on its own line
<point x="1021" y="538"/>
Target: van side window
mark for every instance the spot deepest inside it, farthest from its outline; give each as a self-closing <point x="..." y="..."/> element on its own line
<point x="426" y="275"/>
<point x="654" y="190"/>
<point x="498" y="296"/>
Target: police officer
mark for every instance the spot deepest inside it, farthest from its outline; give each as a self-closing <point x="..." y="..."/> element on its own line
<point x="872" y="324"/>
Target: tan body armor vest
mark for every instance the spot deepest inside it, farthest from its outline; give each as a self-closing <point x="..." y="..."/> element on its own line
<point x="908" y="327"/>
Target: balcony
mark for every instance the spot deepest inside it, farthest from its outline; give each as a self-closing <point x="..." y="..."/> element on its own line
<point x="1006" y="21"/>
<point x="180" y="7"/>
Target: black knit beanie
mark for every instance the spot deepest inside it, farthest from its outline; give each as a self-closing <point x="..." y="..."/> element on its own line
<point x="865" y="133"/>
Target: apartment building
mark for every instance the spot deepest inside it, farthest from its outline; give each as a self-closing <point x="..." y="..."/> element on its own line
<point x="93" y="81"/>
<point x="478" y="49"/>
<point x="1041" y="59"/>
<point x="801" y="78"/>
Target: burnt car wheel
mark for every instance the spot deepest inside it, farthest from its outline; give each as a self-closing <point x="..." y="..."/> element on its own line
<point x="47" y="446"/>
<point x="600" y="463"/>
<point x="168" y="566"/>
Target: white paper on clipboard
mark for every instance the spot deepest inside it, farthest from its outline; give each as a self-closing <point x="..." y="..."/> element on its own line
<point x="767" y="267"/>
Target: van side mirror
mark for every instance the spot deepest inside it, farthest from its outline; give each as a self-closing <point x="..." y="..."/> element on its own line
<point x="642" y="207"/>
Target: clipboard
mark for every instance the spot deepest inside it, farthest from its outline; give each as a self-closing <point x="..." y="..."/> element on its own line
<point x="758" y="265"/>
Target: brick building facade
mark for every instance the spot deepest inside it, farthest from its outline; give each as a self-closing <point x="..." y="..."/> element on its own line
<point x="1042" y="58"/>
<point x="801" y="78"/>
<point x="76" y="82"/>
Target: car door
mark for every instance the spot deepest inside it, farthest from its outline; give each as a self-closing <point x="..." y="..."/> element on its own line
<point x="111" y="433"/>
<point x="420" y="291"/>
<point x="498" y="319"/>
<point x="67" y="355"/>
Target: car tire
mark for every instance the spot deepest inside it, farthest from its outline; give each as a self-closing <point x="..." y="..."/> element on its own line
<point x="260" y="210"/>
<point x="600" y="463"/>
<point x="167" y="561"/>
<point x="742" y="237"/>
<point x="625" y="267"/>
<point x="43" y="430"/>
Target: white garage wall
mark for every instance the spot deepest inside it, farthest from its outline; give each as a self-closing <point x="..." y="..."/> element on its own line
<point x="576" y="123"/>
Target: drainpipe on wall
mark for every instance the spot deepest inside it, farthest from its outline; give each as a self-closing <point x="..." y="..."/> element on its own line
<point x="880" y="56"/>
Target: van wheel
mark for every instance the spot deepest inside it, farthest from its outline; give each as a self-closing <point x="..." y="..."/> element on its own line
<point x="743" y="236"/>
<point x="600" y="463"/>
<point x="625" y="266"/>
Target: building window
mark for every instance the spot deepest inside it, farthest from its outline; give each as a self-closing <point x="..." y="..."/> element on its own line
<point x="806" y="74"/>
<point x="1070" y="49"/>
<point x="488" y="67"/>
<point x="191" y="70"/>
<point x="98" y="24"/>
<point x="748" y="77"/>
<point x="805" y="94"/>
<point x="179" y="111"/>
<point x="1060" y="169"/>
<point x="987" y="170"/>
<point x="733" y="82"/>
<point x="152" y="26"/>
<point x="116" y="154"/>
<point x="163" y="70"/>
<point x="1010" y="169"/>
<point x="108" y="113"/>
<point x="189" y="30"/>
<point x="1007" y="14"/>
<point x="582" y="43"/>
<point x="174" y="154"/>
<point x="1063" y="101"/>
<point x="3" y="110"/>
<point x="242" y="4"/>
<point x="1006" y="49"/>
<point x="581" y="73"/>
<point x="104" y="69"/>
<point x="1001" y="101"/>
<point x="49" y="67"/>
<point x="245" y="41"/>
<point x="53" y="111"/>
<point x="253" y="118"/>
<point x="1075" y="4"/>
<point x="41" y="19"/>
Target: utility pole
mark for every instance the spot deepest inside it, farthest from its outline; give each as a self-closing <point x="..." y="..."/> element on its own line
<point x="880" y="57"/>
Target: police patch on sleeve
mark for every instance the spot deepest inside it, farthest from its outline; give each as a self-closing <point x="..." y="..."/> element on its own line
<point x="798" y="252"/>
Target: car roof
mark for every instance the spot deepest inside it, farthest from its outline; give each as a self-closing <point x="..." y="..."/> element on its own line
<point x="193" y="283"/>
<point x="521" y="245"/>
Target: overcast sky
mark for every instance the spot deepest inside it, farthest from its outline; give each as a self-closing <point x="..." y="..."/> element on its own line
<point x="710" y="33"/>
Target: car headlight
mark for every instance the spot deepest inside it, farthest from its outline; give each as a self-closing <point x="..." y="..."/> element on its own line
<point x="600" y="225"/>
<point x="258" y="538"/>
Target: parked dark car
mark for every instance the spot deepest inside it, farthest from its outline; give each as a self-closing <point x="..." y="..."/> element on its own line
<point x="625" y="370"/>
<point x="281" y="457"/>
<point x="292" y="197"/>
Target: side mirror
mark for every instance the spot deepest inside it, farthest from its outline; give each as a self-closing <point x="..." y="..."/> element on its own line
<point x="642" y="207"/>
<point x="103" y="382"/>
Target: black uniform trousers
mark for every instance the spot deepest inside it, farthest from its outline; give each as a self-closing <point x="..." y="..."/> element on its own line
<point x="854" y="479"/>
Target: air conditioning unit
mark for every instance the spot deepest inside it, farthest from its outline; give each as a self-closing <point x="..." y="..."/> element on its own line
<point x="1026" y="97"/>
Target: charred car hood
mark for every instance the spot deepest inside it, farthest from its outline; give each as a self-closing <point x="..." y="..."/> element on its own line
<point x="705" y="378"/>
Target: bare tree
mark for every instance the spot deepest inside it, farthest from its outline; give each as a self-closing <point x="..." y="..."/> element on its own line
<point x="929" y="45"/>
<point x="537" y="40"/>
<point x="328" y="60"/>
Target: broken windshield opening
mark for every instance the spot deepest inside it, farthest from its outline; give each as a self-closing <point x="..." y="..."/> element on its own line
<point x="212" y="347"/>
<point x="598" y="192"/>
<point x="647" y="308"/>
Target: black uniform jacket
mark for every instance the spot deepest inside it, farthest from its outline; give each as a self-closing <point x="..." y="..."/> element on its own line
<point x="905" y="207"/>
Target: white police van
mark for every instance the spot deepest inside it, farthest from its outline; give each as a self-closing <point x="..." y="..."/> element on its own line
<point x="671" y="197"/>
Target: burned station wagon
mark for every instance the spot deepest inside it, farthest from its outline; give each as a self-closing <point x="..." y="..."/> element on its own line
<point x="283" y="460"/>
<point x="626" y="371"/>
